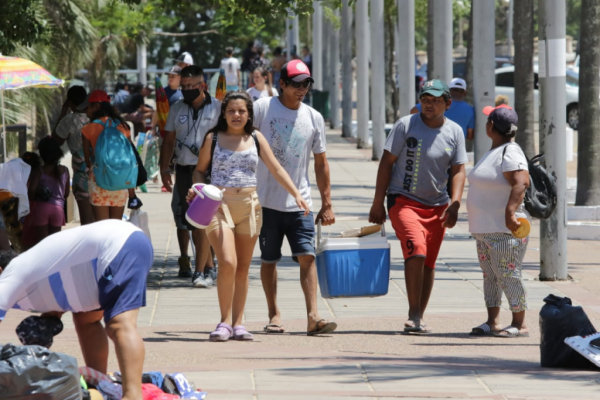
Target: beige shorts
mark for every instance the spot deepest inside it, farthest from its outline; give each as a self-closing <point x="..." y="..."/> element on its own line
<point x="242" y="213"/>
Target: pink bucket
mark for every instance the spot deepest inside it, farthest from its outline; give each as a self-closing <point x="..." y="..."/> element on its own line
<point x="204" y="206"/>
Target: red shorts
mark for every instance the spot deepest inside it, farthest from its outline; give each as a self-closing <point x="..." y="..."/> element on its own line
<point x="419" y="229"/>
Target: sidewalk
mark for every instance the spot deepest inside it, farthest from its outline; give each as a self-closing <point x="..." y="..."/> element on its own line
<point x="367" y="358"/>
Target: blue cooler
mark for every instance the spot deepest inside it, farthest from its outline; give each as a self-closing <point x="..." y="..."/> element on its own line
<point x="353" y="267"/>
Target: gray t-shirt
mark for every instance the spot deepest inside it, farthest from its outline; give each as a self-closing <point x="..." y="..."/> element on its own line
<point x="69" y="128"/>
<point x="190" y="132"/>
<point x="292" y="135"/>
<point x="424" y="156"/>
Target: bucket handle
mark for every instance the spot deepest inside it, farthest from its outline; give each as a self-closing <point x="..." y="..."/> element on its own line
<point x="319" y="238"/>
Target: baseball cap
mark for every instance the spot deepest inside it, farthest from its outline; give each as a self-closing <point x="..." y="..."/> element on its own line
<point x="503" y="117"/>
<point x="295" y="70"/>
<point x="97" y="96"/>
<point x="435" y="88"/>
<point x="175" y="70"/>
<point x="185" y="57"/>
<point x="458" y="83"/>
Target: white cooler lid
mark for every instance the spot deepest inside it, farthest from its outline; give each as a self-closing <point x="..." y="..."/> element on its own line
<point x="357" y="243"/>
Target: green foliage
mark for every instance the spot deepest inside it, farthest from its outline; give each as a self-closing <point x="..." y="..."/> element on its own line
<point x="19" y="25"/>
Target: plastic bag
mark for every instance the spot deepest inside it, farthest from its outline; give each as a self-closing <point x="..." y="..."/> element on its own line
<point x="559" y="319"/>
<point x="27" y="371"/>
<point x="140" y="219"/>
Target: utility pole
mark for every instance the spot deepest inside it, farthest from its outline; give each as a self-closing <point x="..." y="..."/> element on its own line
<point x="377" y="78"/>
<point x="553" y="125"/>
<point x="362" y="72"/>
<point x="317" y="47"/>
<point x="484" y="79"/>
<point x="509" y="29"/>
<point x="347" y="81"/>
<point x="142" y="64"/>
<point x="327" y="30"/>
<point x="292" y="34"/>
<point x="405" y="58"/>
<point x="442" y="40"/>
<point x="335" y="74"/>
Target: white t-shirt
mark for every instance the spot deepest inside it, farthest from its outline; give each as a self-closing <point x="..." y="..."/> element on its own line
<point x="489" y="190"/>
<point x="255" y="94"/>
<point x="13" y="178"/>
<point x="69" y="128"/>
<point x="190" y="132"/>
<point x="292" y="135"/>
<point x="231" y="66"/>
<point x="61" y="273"/>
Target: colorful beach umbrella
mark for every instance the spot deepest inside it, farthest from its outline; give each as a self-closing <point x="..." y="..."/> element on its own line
<point x="162" y="106"/>
<point x="18" y="73"/>
<point x="221" y="86"/>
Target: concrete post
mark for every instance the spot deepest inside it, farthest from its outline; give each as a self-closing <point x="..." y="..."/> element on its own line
<point x="553" y="124"/>
<point x="442" y="40"/>
<point x="484" y="80"/>
<point x="347" y="81"/>
<point x="142" y="64"/>
<point x="405" y="57"/>
<point x="362" y="72"/>
<point x="509" y="29"/>
<point x="317" y="48"/>
<point x="296" y="34"/>
<point x="291" y="30"/>
<point x="377" y="78"/>
<point x="326" y="46"/>
<point x="334" y="64"/>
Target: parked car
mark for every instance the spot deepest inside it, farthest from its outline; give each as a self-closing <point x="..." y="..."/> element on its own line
<point x="505" y="85"/>
<point x="459" y="68"/>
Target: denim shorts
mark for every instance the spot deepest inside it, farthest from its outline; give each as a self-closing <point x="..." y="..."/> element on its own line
<point x="299" y="230"/>
<point x="122" y="286"/>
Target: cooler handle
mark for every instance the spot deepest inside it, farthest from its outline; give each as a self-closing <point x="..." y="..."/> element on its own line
<point x="347" y="219"/>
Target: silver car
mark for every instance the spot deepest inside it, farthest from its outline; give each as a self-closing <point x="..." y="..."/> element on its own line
<point x="505" y="85"/>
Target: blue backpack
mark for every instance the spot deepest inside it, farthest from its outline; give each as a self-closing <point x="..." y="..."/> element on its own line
<point x="115" y="166"/>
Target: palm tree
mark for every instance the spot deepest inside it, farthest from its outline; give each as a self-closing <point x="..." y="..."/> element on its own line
<point x="588" y="153"/>
<point x="523" y="40"/>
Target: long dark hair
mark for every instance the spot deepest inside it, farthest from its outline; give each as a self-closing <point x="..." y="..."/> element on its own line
<point x="107" y="110"/>
<point x="222" y="122"/>
<point x="51" y="153"/>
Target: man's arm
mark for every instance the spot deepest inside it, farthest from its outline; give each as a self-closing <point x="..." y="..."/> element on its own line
<point x="457" y="177"/>
<point x="470" y="133"/>
<point x="166" y="152"/>
<point x="384" y="176"/>
<point x="326" y="215"/>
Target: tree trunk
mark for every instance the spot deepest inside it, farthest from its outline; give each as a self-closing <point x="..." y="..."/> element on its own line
<point x="588" y="152"/>
<point x="430" y="51"/>
<point x="523" y="41"/>
<point x="469" y="61"/>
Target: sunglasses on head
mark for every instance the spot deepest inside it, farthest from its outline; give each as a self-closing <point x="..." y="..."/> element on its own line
<point x="304" y="84"/>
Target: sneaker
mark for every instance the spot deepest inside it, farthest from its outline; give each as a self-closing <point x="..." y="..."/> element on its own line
<point x="185" y="268"/>
<point x="212" y="272"/>
<point x="134" y="203"/>
<point x="201" y="280"/>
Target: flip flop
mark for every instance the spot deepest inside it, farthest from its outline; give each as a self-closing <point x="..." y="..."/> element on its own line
<point x="482" y="330"/>
<point x="512" y="331"/>
<point x="412" y="328"/>
<point x="327" y="328"/>
<point x="274" y="328"/>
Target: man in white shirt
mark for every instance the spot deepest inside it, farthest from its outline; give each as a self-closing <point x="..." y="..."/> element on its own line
<point x="100" y="266"/>
<point x="187" y="125"/>
<point x="294" y="131"/>
<point x="231" y="66"/>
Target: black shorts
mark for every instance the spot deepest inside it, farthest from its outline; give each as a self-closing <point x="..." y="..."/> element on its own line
<point x="183" y="182"/>
<point x="299" y="230"/>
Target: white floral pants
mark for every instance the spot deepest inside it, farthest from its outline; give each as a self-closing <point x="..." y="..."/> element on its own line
<point x="500" y="258"/>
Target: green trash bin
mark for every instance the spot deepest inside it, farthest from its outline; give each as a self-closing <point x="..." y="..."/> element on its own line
<point x="320" y="102"/>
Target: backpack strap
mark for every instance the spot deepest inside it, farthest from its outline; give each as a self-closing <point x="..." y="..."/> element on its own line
<point x="256" y="143"/>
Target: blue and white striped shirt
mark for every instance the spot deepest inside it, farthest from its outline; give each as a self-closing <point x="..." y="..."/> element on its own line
<point x="61" y="273"/>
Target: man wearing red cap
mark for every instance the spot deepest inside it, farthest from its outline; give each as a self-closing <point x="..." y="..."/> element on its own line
<point x="293" y="130"/>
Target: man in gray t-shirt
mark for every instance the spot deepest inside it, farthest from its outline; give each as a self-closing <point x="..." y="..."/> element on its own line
<point x="424" y="152"/>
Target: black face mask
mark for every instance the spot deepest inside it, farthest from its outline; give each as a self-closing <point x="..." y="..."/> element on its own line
<point x="190" y="95"/>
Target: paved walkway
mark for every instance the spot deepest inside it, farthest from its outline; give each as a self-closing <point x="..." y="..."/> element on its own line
<point x="367" y="358"/>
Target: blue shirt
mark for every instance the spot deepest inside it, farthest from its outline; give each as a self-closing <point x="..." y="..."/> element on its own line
<point x="119" y="98"/>
<point x="460" y="112"/>
<point x="173" y="95"/>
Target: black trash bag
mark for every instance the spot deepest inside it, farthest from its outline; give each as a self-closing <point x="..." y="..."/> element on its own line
<point x="559" y="319"/>
<point x="36" y="372"/>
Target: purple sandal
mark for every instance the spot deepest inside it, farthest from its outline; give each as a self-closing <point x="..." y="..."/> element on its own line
<point x="240" y="333"/>
<point x="222" y="334"/>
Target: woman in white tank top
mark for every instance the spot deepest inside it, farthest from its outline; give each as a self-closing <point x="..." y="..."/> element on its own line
<point x="234" y="229"/>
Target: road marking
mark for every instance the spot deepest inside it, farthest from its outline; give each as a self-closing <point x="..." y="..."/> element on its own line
<point x="253" y="380"/>
<point x="162" y="274"/>
<point x="482" y="383"/>
<point x="365" y="377"/>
